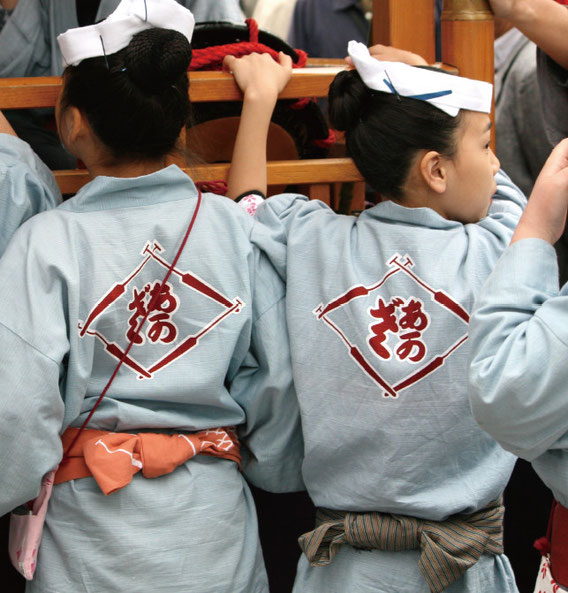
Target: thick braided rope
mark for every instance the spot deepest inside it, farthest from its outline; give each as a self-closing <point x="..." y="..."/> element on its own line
<point x="447" y="548"/>
<point x="211" y="58"/>
<point x="212" y="187"/>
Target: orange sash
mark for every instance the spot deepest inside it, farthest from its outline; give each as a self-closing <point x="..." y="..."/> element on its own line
<point x="112" y="458"/>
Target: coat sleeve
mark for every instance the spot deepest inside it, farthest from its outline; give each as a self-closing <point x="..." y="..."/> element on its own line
<point x="33" y="334"/>
<point x="26" y="49"/>
<point x="519" y="348"/>
<point x="278" y="216"/>
<point x="27" y="186"/>
<point x="553" y="83"/>
<point x="32" y="414"/>
<point x="271" y="436"/>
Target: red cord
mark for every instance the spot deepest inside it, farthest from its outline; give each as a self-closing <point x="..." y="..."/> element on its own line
<point x="213" y="187"/>
<point x="211" y="58"/>
<point x="148" y="311"/>
<point x="326" y="142"/>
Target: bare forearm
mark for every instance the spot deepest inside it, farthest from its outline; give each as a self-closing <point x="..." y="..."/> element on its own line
<point x="546" y="23"/>
<point x="248" y="165"/>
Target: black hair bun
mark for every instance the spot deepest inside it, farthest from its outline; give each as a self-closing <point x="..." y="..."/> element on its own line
<point x="155" y="58"/>
<point x="348" y="96"/>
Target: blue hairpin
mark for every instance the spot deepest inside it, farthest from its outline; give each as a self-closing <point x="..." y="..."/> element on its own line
<point x="145" y="12"/>
<point x="423" y="97"/>
<point x="391" y="86"/>
<point x="104" y="51"/>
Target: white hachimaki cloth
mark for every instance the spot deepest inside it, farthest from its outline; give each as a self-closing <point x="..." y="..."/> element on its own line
<point x="118" y="29"/>
<point x="448" y="93"/>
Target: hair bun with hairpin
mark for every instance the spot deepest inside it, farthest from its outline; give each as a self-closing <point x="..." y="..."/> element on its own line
<point x="348" y="96"/>
<point x="155" y="58"/>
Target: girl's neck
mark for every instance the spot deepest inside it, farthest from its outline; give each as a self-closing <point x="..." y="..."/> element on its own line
<point x="127" y="169"/>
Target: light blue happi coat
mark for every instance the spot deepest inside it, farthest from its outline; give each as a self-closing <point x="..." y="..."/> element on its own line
<point x="377" y="311"/>
<point x="519" y="373"/>
<point x="28" y="41"/>
<point x="26" y="186"/>
<point x="215" y="353"/>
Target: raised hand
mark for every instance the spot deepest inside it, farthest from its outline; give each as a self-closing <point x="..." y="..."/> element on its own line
<point x="388" y="53"/>
<point x="259" y="74"/>
<point x="545" y="214"/>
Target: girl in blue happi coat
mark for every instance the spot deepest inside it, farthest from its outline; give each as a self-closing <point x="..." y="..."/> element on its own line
<point x="408" y="487"/>
<point x="210" y="363"/>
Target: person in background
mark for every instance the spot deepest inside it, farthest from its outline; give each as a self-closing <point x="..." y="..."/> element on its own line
<point x="322" y="28"/>
<point x="151" y="497"/>
<point x="521" y="143"/>
<point x="26" y="184"/>
<point x="545" y="23"/>
<point x="247" y="6"/>
<point x="275" y="16"/>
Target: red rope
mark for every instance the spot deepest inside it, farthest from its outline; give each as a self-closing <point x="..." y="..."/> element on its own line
<point x="151" y="305"/>
<point x="327" y="142"/>
<point x="212" y="187"/>
<point x="253" y="30"/>
<point x="211" y="58"/>
<point x="301" y="103"/>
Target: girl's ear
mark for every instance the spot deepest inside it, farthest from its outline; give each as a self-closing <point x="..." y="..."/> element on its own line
<point x="72" y="126"/>
<point x="434" y="171"/>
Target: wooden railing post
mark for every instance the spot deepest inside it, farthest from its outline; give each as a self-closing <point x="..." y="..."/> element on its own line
<point x="468" y="37"/>
<point x="406" y="24"/>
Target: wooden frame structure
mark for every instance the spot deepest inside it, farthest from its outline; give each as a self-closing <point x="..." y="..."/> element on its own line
<point x="315" y="176"/>
<point x="407" y="24"/>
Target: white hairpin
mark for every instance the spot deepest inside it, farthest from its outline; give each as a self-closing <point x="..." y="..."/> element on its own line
<point x="448" y="93"/>
<point x="116" y="31"/>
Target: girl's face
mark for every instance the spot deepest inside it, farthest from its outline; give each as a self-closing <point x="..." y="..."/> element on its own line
<point x="471" y="172"/>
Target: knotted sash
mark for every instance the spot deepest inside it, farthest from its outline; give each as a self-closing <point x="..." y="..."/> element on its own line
<point x="447" y="548"/>
<point x="112" y="458"/>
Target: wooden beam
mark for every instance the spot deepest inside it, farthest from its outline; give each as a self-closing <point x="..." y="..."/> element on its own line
<point x="309" y="171"/>
<point x="42" y="91"/>
<point x="406" y="24"/>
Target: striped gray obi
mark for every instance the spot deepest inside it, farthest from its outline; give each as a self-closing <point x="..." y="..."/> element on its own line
<point x="447" y="548"/>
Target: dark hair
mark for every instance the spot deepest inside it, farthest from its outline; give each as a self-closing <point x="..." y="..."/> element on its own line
<point x="383" y="132"/>
<point x="136" y="100"/>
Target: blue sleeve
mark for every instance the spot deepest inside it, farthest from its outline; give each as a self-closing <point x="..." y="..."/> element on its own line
<point x="33" y="334"/>
<point x="32" y="412"/>
<point x="24" y="48"/>
<point x="271" y="436"/>
<point x="278" y="216"/>
<point x="27" y="186"/>
<point x="519" y="348"/>
<point x="489" y="237"/>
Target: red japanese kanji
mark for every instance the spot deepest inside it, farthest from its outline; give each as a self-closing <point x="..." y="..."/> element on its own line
<point x="412" y="317"/>
<point x="160" y="328"/>
<point x="405" y="319"/>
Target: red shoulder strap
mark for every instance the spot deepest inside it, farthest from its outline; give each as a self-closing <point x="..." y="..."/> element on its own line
<point x="148" y="310"/>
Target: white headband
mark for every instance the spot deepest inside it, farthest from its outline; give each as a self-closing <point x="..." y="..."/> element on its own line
<point x="448" y="93"/>
<point x="116" y="31"/>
